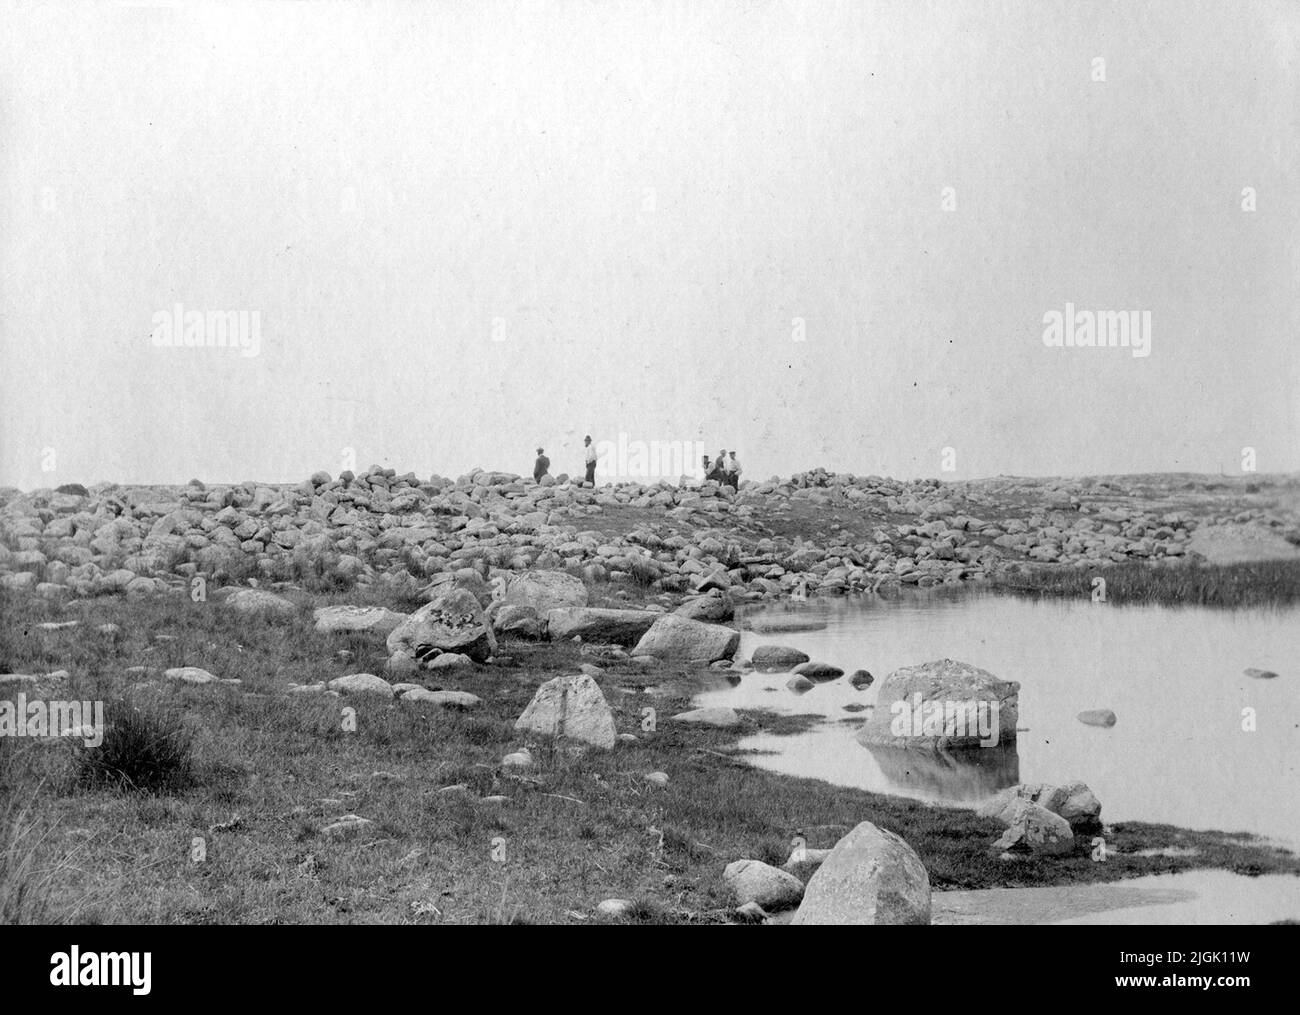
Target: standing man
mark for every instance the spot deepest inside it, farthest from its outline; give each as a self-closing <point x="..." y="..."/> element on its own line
<point x="733" y="470"/>
<point x="591" y="459"/>
<point x="542" y="467"/>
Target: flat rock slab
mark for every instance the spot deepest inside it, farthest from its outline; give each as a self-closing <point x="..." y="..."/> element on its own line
<point x="593" y="623"/>
<point x="336" y="619"/>
<point x="723" y="718"/>
<point x="447" y="699"/>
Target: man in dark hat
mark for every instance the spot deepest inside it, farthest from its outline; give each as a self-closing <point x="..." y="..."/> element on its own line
<point x="542" y="467"/>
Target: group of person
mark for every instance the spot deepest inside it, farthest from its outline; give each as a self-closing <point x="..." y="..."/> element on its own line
<point x="543" y="464"/>
<point x="724" y="470"/>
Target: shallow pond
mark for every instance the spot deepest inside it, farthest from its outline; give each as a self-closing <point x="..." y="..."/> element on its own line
<point x="1174" y="677"/>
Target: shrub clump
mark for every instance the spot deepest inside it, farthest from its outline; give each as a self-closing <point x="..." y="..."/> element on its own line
<point x="145" y="750"/>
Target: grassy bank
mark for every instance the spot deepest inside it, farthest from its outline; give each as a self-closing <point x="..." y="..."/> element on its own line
<point x="241" y="839"/>
<point x="1259" y="583"/>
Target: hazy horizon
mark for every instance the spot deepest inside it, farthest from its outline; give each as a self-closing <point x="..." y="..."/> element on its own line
<point x="822" y="234"/>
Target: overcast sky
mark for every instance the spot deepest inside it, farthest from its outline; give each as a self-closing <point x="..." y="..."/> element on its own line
<point x="468" y="229"/>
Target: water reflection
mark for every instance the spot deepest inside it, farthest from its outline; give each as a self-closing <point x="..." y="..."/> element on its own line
<point x="961" y="776"/>
<point x="1197" y="743"/>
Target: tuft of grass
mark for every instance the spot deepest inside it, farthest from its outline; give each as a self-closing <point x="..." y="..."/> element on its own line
<point x="27" y="881"/>
<point x="145" y="750"/>
<point x="1257" y="583"/>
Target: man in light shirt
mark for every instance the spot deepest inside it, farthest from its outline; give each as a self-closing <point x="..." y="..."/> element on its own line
<point x="591" y="459"/>
<point x="733" y="471"/>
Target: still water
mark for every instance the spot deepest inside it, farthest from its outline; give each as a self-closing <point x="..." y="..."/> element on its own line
<point x="1181" y="751"/>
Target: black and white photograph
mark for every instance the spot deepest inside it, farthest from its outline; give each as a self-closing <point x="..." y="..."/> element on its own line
<point x="651" y="462"/>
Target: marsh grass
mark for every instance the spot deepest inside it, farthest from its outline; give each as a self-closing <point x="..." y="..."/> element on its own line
<point x="1259" y="583"/>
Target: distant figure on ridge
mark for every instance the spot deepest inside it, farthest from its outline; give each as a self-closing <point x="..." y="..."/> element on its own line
<point x="591" y="459"/>
<point x="542" y="467"/>
<point x="733" y="471"/>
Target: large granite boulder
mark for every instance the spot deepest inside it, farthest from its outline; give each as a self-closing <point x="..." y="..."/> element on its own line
<point x="452" y="622"/>
<point x="943" y="705"/>
<point x="544" y="590"/>
<point x="674" y="637"/>
<point x="871" y="877"/>
<point x="619" y="627"/>
<point x="571" y="707"/>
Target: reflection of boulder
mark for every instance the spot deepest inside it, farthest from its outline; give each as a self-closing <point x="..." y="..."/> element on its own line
<point x="967" y="774"/>
<point x="943" y="705"/>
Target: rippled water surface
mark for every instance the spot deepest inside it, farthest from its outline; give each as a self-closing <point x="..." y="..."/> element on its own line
<point x="1174" y="677"/>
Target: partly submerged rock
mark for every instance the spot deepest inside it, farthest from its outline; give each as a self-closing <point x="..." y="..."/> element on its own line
<point x="674" y="637"/>
<point x="943" y="705"/>
<point x="777" y="658"/>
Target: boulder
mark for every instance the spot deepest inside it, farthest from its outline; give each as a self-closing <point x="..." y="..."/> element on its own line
<point x="259" y="602"/>
<point x="940" y="706"/>
<point x="1035" y="831"/>
<point x="716" y="608"/>
<point x="777" y="658"/>
<point x="190" y="675"/>
<point x="1097" y="717"/>
<point x="466" y="578"/>
<point x="769" y="887"/>
<point x="336" y="619"/>
<point x="1074" y="802"/>
<point x="452" y="622"/>
<point x="674" y="637"/>
<point x="572" y="707"/>
<point x="870" y="877"/>
<point x="799" y="684"/>
<point x="361" y="683"/>
<point x="447" y="699"/>
<point x="544" y="590"/>
<point x="619" y="627"/>
<point x="861" y="679"/>
<point x="819" y="671"/>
